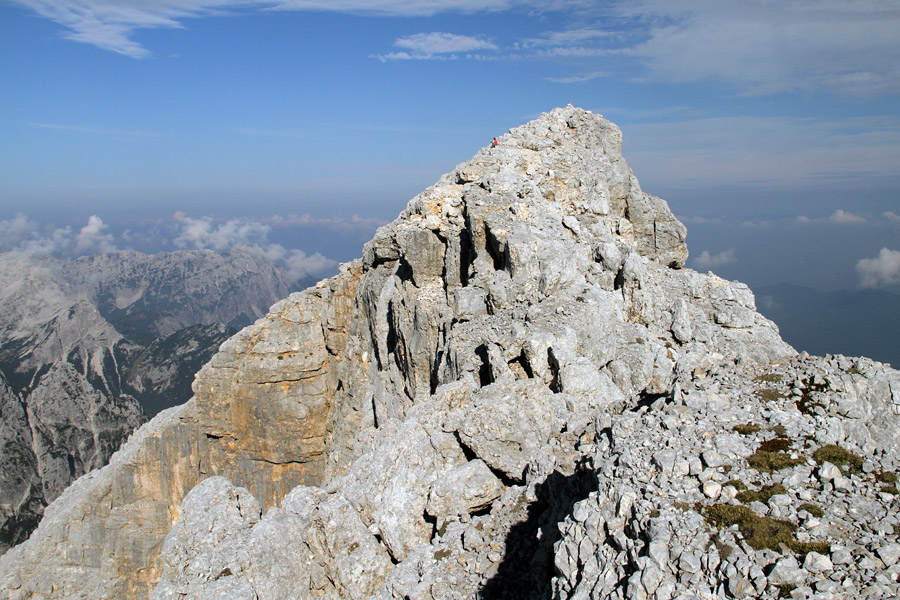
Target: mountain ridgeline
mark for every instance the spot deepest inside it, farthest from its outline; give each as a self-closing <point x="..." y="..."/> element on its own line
<point x="516" y="392"/>
<point x="92" y="345"/>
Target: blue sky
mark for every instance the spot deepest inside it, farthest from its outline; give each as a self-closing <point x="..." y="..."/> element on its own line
<point x="772" y="128"/>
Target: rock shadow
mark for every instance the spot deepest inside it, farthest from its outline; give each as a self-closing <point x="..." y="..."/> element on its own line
<point x="527" y="568"/>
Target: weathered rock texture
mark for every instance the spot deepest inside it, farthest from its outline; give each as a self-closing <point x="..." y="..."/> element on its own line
<point x="462" y="411"/>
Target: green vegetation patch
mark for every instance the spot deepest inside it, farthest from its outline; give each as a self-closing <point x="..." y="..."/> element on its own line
<point x="772" y="461"/>
<point x="812" y="509"/>
<point x="768" y="377"/>
<point x="746" y="428"/>
<point x="769" y="395"/>
<point x="890" y="489"/>
<point x="887" y="477"/>
<point x="778" y="444"/>
<point x="846" y="460"/>
<point x="736" y="484"/>
<point x="761" y="532"/>
<point x="786" y="590"/>
<point x="762" y="495"/>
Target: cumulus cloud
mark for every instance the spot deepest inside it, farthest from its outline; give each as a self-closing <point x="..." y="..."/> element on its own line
<point x="21" y="235"/>
<point x="844" y="218"/>
<point x="710" y="261"/>
<point x="202" y="233"/>
<point x="205" y="233"/>
<point x="883" y="270"/>
<point x="17" y="230"/>
<point x="93" y="238"/>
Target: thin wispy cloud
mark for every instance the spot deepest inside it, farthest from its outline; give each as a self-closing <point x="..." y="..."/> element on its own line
<point x="892" y="217"/>
<point x="764" y="151"/>
<point x="883" y="270"/>
<point x="353" y="223"/>
<point x="423" y="46"/>
<point x="111" y="24"/>
<point x="761" y="47"/>
<point x="580" y="78"/>
<point x="756" y="46"/>
<point x="103" y="131"/>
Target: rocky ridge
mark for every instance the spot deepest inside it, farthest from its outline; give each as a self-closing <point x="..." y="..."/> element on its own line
<point x="516" y="392"/>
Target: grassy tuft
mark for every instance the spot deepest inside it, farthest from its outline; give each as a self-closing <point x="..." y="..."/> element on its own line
<point x="768" y="377"/>
<point x="761" y="532"/>
<point x="746" y="428"/>
<point x="769" y="395"/>
<point x="736" y="484"/>
<point x="772" y="461"/>
<point x="887" y="477"/>
<point x="812" y="509"/>
<point x="762" y="495"/>
<point x="846" y="460"/>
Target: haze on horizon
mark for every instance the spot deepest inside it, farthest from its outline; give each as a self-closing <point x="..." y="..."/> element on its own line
<point x="299" y="126"/>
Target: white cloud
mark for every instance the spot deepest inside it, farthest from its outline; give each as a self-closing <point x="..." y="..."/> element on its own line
<point x="879" y="271"/>
<point x="568" y="37"/>
<point x="110" y="24"/>
<point x="579" y="78"/>
<point x="844" y="218"/>
<point x="892" y="217"/>
<point x="764" y="47"/>
<point x="439" y="45"/>
<point x="202" y="233"/>
<point x="21" y="235"/>
<point x="93" y="239"/>
<point x="17" y="230"/>
<point x="711" y="261"/>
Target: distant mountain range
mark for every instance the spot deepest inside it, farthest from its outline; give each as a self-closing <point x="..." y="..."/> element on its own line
<point x="848" y="322"/>
<point x="92" y="346"/>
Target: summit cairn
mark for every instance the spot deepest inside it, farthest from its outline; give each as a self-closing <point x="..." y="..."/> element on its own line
<point x="517" y="392"/>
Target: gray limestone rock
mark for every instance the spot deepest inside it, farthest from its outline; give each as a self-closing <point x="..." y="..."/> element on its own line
<point x="509" y="395"/>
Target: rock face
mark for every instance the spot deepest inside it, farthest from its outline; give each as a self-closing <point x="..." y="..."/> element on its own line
<point x="85" y="341"/>
<point x="516" y="392"/>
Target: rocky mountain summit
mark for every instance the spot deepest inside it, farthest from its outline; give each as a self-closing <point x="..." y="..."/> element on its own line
<point x="88" y="342"/>
<point x="517" y="392"/>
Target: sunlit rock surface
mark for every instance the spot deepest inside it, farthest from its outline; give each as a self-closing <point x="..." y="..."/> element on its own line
<point x="516" y="392"/>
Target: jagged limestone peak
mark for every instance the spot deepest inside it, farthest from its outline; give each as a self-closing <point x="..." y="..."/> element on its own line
<point x="414" y="424"/>
<point x="566" y="163"/>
